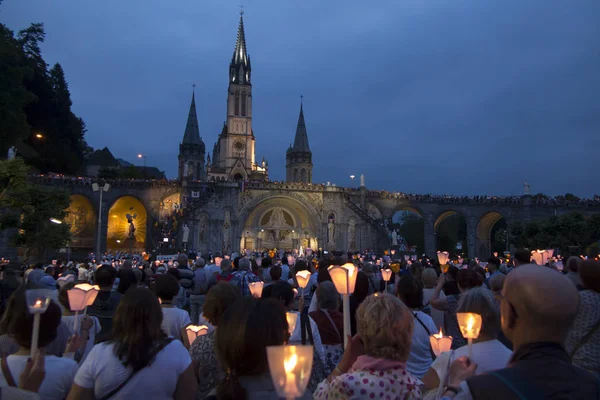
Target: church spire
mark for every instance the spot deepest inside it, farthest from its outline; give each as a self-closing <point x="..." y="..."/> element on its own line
<point x="192" y="133"/>
<point x="301" y="139"/>
<point x="239" y="69"/>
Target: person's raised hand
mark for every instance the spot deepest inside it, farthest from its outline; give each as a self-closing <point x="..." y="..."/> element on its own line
<point x="461" y="369"/>
<point x="86" y="322"/>
<point x="75" y="342"/>
<point x="34" y="373"/>
<point x="354" y="349"/>
<point x="441" y="280"/>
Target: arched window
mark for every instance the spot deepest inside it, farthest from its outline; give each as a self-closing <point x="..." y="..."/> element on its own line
<point x="303" y="175"/>
<point x="237" y="103"/>
<point x="295" y="175"/>
<point x="243" y="100"/>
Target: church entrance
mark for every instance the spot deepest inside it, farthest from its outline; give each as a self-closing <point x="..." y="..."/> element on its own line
<point x="279" y="223"/>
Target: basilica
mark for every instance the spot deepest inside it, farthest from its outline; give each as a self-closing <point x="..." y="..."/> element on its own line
<point x="233" y="155"/>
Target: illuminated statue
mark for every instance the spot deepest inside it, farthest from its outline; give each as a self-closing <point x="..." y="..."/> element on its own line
<point x="131" y="230"/>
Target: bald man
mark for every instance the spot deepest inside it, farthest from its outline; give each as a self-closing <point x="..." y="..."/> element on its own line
<point x="538" y="306"/>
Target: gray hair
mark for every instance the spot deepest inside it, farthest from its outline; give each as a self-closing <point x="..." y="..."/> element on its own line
<point x="244" y="264"/>
<point x="481" y="301"/>
<point x="327" y="296"/>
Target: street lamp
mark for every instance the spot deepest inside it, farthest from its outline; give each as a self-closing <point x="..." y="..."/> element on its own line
<point x="55" y="221"/>
<point x="39" y="136"/>
<point x="144" y="157"/>
<point x="99" y="187"/>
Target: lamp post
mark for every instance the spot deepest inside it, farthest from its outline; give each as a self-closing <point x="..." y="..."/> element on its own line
<point x="344" y="279"/>
<point x="99" y="187"/>
<point x="144" y="157"/>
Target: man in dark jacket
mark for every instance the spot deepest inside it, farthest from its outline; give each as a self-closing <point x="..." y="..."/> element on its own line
<point x="538" y="307"/>
<point x="106" y="302"/>
<point x="186" y="279"/>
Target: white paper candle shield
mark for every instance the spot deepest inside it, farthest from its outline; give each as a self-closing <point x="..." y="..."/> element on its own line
<point x="256" y="288"/>
<point x="302" y="277"/>
<point x="440" y="343"/>
<point x="38" y="300"/>
<point x="82" y="296"/>
<point x="193" y="331"/>
<point x="290" y="368"/>
<point x="469" y="324"/>
<point x="386" y="274"/>
<point x="443" y="257"/>
<point x="344" y="277"/>
<point x="292" y="319"/>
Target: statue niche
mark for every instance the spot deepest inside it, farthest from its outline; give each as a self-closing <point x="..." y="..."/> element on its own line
<point x="278" y="226"/>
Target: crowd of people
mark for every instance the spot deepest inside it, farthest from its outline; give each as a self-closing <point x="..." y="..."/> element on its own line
<point x="539" y="337"/>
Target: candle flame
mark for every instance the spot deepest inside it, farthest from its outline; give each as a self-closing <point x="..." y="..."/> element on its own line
<point x="439" y="335"/>
<point x="290" y="363"/>
<point x="38" y="303"/>
<point x="470" y="323"/>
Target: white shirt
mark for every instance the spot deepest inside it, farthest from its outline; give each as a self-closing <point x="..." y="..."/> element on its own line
<point x="60" y="372"/>
<point x="489" y="356"/>
<point x="436" y="315"/>
<point x="296" y="336"/>
<point x="174" y="320"/>
<point x="419" y="359"/>
<point x="69" y="320"/>
<point x="104" y="372"/>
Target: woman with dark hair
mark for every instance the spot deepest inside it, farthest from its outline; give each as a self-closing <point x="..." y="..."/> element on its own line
<point x="128" y="365"/>
<point x="256" y="324"/>
<point x="127" y="279"/>
<point x="59" y="370"/>
<point x="218" y="300"/>
<point x="465" y="279"/>
<point x="361" y="291"/>
<point x="410" y="291"/>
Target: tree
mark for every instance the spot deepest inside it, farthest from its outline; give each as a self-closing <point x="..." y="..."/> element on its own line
<point x="29" y="208"/>
<point x="14" y="96"/>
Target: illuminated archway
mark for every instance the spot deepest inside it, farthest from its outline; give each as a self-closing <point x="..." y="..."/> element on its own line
<point x="450" y="229"/>
<point x="118" y="236"/>
<point x="491" y="234"/>
<point x="279" y="222"/>
<point x="410" y="228"/>
<point x="81" y="218"/>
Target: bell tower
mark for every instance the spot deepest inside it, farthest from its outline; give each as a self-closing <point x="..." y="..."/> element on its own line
<point x="191" y="149"/>
<point x="298" y="166"/>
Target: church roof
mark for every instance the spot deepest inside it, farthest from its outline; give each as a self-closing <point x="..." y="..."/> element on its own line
<point x="301" y="139"/>
<point x="240" y="61"/>
<point x="192" y="132"/>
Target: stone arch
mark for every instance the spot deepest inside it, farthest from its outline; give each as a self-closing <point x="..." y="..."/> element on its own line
<point x="81" y="217"/>
<point x="118" y="227"/>
<point x="484" y="230"/>
<point x="409" y="224"/>
<point x="301" y="222"/>
<point x="460" y="236"/>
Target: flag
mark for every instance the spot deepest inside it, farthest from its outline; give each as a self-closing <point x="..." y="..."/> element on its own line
<point x="195" y="194"/>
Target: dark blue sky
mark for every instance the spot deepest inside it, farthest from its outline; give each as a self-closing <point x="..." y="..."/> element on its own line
<point x="427" y="96"/>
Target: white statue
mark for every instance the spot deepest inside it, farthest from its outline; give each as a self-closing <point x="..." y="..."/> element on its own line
<point x="394" y="238"/>
<point x="331" y="231"/>
<point x="12" y="153"/>
<point x="185" y="234"/>
<point x="526" y="188"/>
<point x="362" y="180"/>
<point x="277" y="218"/>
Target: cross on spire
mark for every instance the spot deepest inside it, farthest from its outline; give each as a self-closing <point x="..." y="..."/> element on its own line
<point x="194" y="87"/>
<point x="241" y="9"/>
<point x="301" y="98"/>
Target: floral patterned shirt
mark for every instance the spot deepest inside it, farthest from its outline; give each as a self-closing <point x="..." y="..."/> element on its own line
<point x="389" y="384"/>
<point x="209" y="370"/>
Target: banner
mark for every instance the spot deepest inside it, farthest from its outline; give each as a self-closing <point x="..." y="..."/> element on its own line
<point x="166" y="257"/>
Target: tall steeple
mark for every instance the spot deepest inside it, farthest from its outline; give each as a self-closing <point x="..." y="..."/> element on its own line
<point x="239" y="68"/>
<point x="192" y="149"/>
<point x="301" y="139"/>
<point x="299" y="157"/>
<point x="192" y="132"/>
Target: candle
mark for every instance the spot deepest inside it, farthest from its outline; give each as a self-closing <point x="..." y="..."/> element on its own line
<point x="256" y="289"/>
<point x="470" y="325"/>
<point x="290" y="368"/>
<point x="292" y="319"/>
<point x="290" y="379"/>
<point x="440" y="343"/>
<point x="193" y="331"/>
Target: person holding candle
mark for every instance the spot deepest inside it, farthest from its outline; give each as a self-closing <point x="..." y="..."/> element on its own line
<point x="140" y="361"/>
<point x="374" y="363"/>
<point x="537" y="324"/>
<point x="330" y="324"/>
<point x="60" y="371"/>
<point x="488" y="352"/>
<point x="206" y="365"/>
<point x="258" y="324"/>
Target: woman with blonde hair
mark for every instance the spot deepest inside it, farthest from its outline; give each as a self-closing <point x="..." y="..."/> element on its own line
<point x="374" y="363"/>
